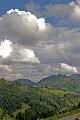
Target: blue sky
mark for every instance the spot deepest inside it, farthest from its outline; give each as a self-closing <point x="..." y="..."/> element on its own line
<point x="20" y="4"/>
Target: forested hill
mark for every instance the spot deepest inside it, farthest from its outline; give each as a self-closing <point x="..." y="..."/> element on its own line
<point x="25" y="82"/>
<point x="61" y="82"/>
<point x="55" y="81"/>
<point x="51" y="79"/>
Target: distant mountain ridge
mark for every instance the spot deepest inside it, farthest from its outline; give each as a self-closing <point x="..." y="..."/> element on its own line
<point x="51" y="78"/>
<point x="54" y="81"/>
<point x="75" y="76"/>
<point x="25" y="82"/>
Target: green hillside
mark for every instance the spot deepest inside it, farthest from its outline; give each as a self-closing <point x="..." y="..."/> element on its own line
<point x="26" y="102"/>
<point x="61" y="82"/>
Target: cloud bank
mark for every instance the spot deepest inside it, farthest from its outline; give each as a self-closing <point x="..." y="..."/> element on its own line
<point x="32" y="48"/>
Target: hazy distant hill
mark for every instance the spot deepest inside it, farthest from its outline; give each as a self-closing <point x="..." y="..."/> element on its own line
<point x="61" y="82"/>
<point x="75" y="76"/>
<point x="41" y="82"/>
<point x="51" y="79"/>
<point x="25" y="82"/>
<point x="56" y="81"/>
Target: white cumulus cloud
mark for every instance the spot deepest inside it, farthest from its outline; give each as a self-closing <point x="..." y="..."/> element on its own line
<point x="67" y="68"/>
<point x="13" y="52"/>
<point x="30" y="18"/>
<point x="77" y="11"/>
<point x="5" y="48"/>
<point x="28" y="55"/>
<point x="24" y="27"/>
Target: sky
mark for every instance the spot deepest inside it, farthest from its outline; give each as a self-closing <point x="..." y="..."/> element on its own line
<point x="39" y="38"/>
